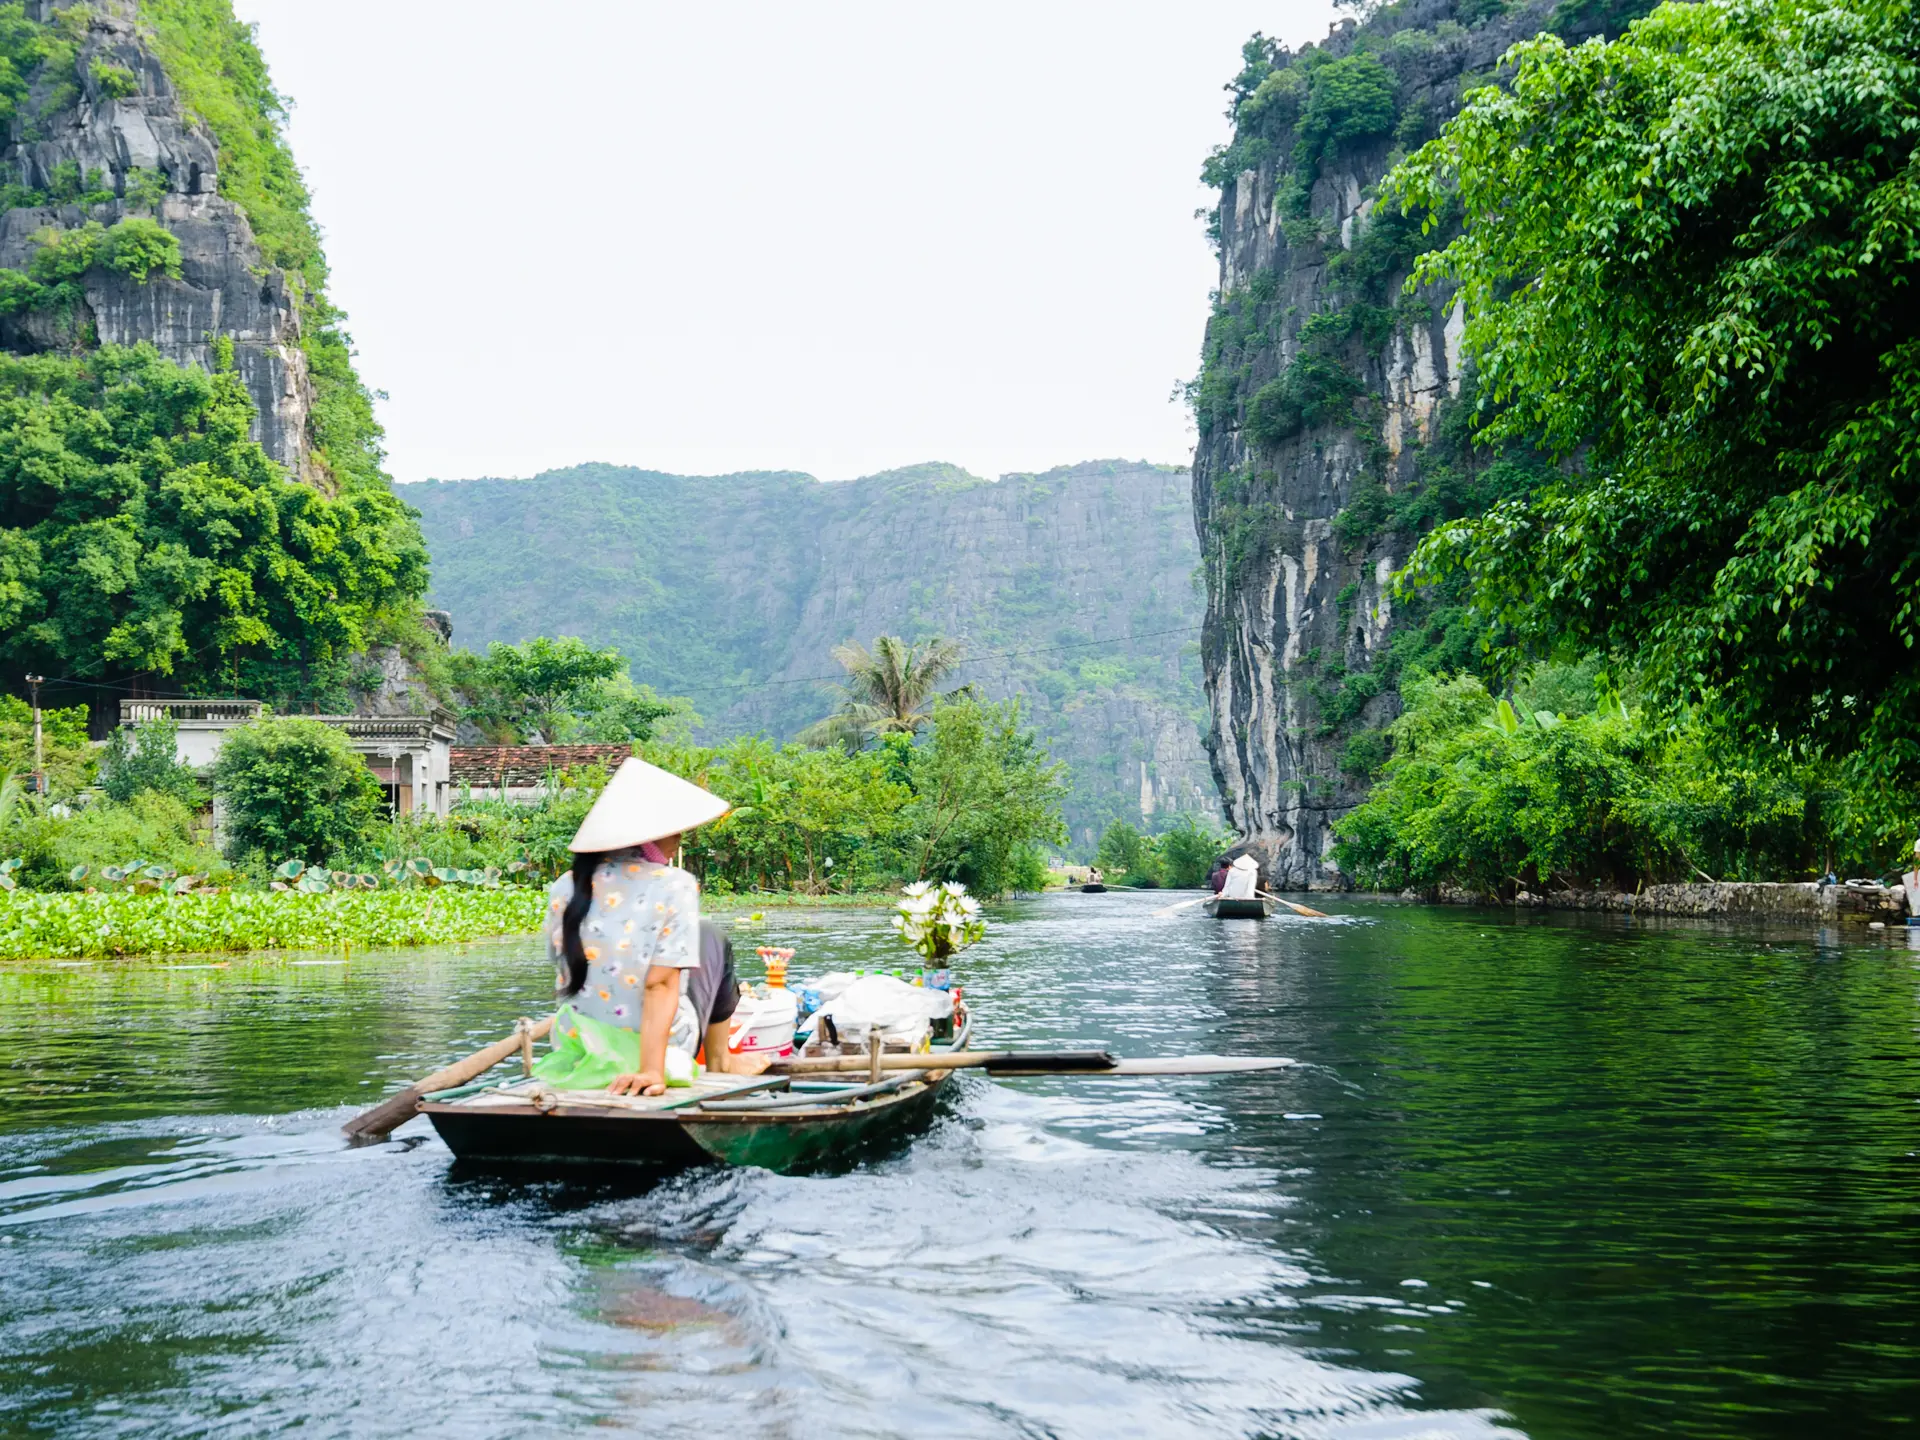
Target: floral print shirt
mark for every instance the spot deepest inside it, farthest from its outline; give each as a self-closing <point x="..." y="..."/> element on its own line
<point x="643" y="915"/>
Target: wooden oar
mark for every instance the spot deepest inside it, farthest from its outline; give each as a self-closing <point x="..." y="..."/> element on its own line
<point x="1039" y="1062"/>
<point x="1306" y="910"/>
<point x="390" y="1114"/>
<point x="1166" y="910"/>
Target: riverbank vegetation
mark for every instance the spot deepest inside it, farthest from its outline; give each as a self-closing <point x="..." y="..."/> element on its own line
<point x="1724" y="199"/>
<point x="95" y="870"/>
<point x="1569" y="785"/>
<point x="55" y="926"/>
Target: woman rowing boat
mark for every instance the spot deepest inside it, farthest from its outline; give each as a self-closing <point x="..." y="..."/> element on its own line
<point x="635" y="966"/>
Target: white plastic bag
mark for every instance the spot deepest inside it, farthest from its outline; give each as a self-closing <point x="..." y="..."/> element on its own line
<point x="901" y="1012"/>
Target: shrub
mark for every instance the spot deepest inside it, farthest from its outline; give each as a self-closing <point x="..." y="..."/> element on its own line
<point x="1125" y="851"/>
<point x="293" y="789"/>
<point x="147" y="759"/>
<point x="154" y="827"/>
<point x="116" y="82"/>
<point x="1187" y="852"/>
<point x="138" y="246"/>
<point x="1315" y="390"/>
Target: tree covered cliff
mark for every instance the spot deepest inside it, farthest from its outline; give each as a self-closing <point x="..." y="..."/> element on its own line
<point x="1333" y="409"/>
<point x="191" y="491"/>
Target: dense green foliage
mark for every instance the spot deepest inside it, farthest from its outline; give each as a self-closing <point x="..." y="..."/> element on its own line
<point x="1689" y="260"/>
<point x="37" y="925"/>
<point x="975" y="800"/>
<point x="1568" y="786"/>
<point x="292" y="789"/>
<point x="143" y="532"/>
<point x="811" y="820"/>
<point x="1180" y="856"/>
<point x="555" y="692"/>
<point x="986" y="796"/>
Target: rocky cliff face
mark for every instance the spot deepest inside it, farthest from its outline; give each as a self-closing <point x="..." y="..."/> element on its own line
<point x="101" y="135"/>
<point x="1320" y="406"/>
<point x="1074" y="589"/>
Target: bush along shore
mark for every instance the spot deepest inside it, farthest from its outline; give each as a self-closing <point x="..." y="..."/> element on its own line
<point x="67" y="925"/>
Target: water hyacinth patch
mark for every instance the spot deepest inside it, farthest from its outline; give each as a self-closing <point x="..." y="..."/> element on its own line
<point x="64" y="925"/>
<point x="936" y="921"/>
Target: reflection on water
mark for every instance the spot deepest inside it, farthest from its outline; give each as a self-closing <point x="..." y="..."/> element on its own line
<point x="1560" y="1179"/>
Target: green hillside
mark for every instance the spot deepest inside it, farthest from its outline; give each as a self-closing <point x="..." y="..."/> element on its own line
<point x="732" y="589"/>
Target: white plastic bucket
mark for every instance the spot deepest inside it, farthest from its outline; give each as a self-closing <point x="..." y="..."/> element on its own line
<point x="763" y="1025"/>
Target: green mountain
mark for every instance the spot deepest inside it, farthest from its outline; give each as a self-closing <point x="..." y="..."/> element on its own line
<point x="1074" y="590"/>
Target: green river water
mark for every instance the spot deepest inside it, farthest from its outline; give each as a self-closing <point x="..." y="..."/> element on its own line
<point x="1557" y="1177"/>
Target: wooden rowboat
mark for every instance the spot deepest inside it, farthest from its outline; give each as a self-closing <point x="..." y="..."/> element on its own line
<point x="1091" y="888"/>
<point x="1222" y="908"/>
<point x="774" y="1122"/>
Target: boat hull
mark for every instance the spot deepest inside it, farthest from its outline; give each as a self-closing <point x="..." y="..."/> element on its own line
<point x="1093" y="889"/>
<point x="784" y="1141"/>
<point x="1224" y="909"/>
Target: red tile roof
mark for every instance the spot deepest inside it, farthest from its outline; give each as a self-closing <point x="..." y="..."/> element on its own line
<point x="494" y="765"/>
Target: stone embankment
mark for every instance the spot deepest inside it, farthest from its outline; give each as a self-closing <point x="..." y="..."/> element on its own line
<point x="1729" y="899"/>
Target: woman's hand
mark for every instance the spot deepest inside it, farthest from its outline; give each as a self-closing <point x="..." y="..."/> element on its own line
<point x="645" y="1082"/>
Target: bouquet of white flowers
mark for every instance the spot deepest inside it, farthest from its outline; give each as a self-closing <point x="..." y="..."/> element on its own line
<point x="936" y="921"/>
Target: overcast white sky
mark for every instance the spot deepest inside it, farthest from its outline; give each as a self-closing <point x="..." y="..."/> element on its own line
<point x="715" y="236"/>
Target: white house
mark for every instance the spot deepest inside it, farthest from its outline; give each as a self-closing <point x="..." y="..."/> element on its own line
<point x="410" y="755"/>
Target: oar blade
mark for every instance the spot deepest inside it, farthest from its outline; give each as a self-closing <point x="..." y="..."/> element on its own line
<point x="1200" y="1065"/>
<point x="386" y="1117"/>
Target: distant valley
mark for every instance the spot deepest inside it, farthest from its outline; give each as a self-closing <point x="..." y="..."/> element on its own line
<point x="732" y="589"/>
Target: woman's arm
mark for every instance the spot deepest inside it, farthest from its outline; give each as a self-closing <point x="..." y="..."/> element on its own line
<point x="658" y="1004"/>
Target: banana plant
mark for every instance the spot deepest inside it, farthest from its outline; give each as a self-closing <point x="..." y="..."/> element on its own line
<point x="1505" y="720"/>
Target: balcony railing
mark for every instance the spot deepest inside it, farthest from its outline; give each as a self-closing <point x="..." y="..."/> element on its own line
<point x="229" y="712"/>
<point x="439" y="724"/>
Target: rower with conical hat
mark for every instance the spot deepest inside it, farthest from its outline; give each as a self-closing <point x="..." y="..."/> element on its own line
<point x="623" y="929"/>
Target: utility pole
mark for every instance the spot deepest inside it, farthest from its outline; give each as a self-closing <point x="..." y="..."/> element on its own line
<point x="39" y="757"/>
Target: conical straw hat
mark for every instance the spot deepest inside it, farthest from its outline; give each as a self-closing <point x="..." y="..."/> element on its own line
<point x="643" y="802"/>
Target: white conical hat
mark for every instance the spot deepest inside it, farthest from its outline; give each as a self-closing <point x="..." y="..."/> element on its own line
<point x="643" y="802"/>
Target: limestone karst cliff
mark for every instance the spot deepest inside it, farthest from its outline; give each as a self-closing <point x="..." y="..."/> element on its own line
<point x="732" y="590"/>
<point x="160" y="273"/>
<point x="106" y="137"/>
<point x="1329" y="410"/>
<point x="113" y="113"/>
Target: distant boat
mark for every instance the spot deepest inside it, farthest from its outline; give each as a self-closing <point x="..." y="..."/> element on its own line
<point x="1093" y="887"/>
<point x="1224" y="909"/>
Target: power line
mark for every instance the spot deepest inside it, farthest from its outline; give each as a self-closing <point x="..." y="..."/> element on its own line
<point x="970" y="660"/>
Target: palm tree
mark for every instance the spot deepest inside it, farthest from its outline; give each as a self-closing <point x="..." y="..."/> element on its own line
<point x="889" y="689"/>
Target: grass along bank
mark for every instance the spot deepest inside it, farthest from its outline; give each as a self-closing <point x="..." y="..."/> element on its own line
<point x="60" y="926"/>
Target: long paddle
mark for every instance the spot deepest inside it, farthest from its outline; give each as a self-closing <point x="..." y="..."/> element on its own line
<point x="1037" y="1062"/>
<point x="1306" y="910"/>
<point x="1166" y="910"/>
<point x="390" y="1114"/>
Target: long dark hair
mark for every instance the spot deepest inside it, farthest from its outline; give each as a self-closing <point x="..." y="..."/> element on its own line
<point x="585" y="862"/>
